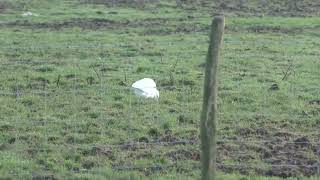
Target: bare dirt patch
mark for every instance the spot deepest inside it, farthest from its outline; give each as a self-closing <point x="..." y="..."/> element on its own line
<point x="183" y="154"/>
<point x="147" y="26"/>
<point x="86" y="23"/>
<point x="127" y="3"/>
<point x="269" y="29"/>
<point x="81" y="23"/>
<point x="286" y="8"/>
<point x="273" y="29"/>
<point x="5" y="6"/>
<point x="279" y="152"/>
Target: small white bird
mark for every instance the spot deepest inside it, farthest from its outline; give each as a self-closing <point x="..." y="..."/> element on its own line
<point x="29" y="14"/>
<point x="146" y="88"/>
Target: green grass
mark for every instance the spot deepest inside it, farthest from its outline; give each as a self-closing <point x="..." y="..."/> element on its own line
<point x="67" y="111"/>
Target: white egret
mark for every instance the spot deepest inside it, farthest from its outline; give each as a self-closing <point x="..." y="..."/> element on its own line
<point x="146" y="88"/>
<point x="29" y="14"/>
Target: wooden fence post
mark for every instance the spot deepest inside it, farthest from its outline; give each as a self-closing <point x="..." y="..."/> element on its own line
<point x="209" y="108"/>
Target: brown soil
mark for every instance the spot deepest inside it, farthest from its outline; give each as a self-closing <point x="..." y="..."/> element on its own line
<point x="153" y="26"/>
<point x="81" y="23"/>
<point x="5" y="6"/>
<point x="285" y="154"/>
<point x="87" y="23"/>
<point x="279" y="153"/>
<point x="130" y="3"/>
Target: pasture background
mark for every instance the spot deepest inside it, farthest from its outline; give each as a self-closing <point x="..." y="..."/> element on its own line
<point x="67" y="111"/>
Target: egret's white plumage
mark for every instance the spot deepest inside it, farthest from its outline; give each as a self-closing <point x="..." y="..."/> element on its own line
<point x="146" y="88"/>
<point x="29" y="14"/>
<point x="144" y="83"/>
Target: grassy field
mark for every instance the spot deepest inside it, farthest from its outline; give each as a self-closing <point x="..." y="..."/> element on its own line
<point x="67" y="110"/>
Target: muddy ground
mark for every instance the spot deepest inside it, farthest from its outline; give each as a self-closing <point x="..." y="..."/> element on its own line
<point x="282" y="153"/>
<point x="236" y="7"/>
<point x="153" y="26"/>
